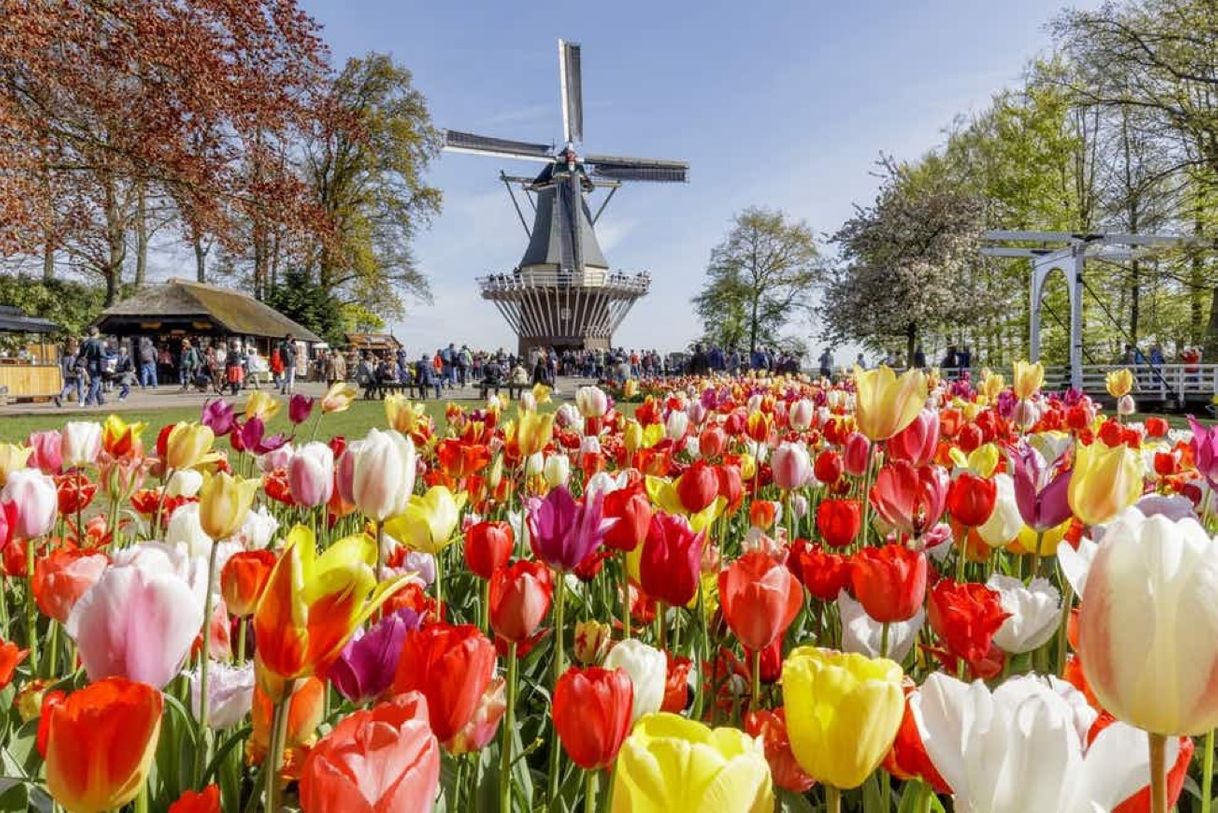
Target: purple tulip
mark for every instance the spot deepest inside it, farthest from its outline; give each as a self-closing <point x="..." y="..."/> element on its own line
<point x="251" y="437"/>
<point x="1039" y="493"/>
<point x="422" y="565"/>
<point x="1205" y="450"/>
<point x="364" y="670"/>
<point x="218" y="415"/>
<point x="300" y="407"/>
<point x="563" y="531"/>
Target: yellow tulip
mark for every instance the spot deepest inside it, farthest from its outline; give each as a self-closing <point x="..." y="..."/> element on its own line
<point x="541" y="393"/>
<point x="261" y="405"/>
<point x="403" y="415"/>
<point x="886" y="404"/>
<point x="12" y="458"/>
<point x="1025" y="543"/>
<point x="992" y="385"/>
<point x="843" y="712"/>
<point x="429" y="522"/>
<point x="188" y="445"/>
<point x="1028" y="378"/>
<point x="981" y="461"/>
<point x="534" y="431"/>
<point x="121" y="438"/>
<point x="1119" y="382"/>
<point x="224" y="502"/>
<point x="339" y="397"/>
<point x="670" y="764"/>
<point x="1104" y="481"/>
<point x="630" y="389"/>
<point x="632" y="436"/>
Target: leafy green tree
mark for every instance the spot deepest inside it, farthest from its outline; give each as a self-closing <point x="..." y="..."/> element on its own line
<point x="299" y="297"/>
<point x="71" y="305"/>
<point x="760" y="279"/>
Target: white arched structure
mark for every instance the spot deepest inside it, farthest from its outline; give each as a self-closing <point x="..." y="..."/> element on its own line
<point x="1068" y="253"/>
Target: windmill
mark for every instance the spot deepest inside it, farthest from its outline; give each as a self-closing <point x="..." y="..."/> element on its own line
<point x="562" y="293"/>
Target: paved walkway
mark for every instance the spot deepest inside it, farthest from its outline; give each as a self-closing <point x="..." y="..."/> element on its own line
<point x="171" y="397"/>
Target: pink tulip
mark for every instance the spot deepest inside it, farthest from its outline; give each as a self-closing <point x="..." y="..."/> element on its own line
<point x="142" y="616"/>
<point x="791" y="466"/>
<point x="856" y="454"/>
<point x="37" y="501"/>
<point x="48" y="451"/>
<point x="801" y="414"/>
<point x="917" y="442"/>
<point x="311" y="474"/>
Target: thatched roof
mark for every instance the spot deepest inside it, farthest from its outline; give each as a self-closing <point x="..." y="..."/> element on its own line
<point x="373" y="341"/>
<point x="179" y="301"/>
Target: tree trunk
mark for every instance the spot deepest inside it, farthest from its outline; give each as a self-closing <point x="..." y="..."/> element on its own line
<point x="48" y="258"/>
<point x="141" y="238"/>
<point x="753" y="327"/>
<point x="117" y="244"/>
<point x="1135" y="291"/>
<point x="911" y="340"/>
<point x="1211" y="332"/>
<point x="200" y="259"/>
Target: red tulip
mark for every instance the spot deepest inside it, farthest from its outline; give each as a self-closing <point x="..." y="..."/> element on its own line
<point x="520" y="597"/>
<point x="908" y="758"/>
<point x="889" y="581"/>
<point x="243" y="578"/>
<point x="712" y="441"/>
<point x="970" y="499"/>
<point x="965" y="616"/>
<point x="731" y="487"/>
<point x="917" y="442"/>
<point x="204" y="801"/>
<point x="828" y="467"/>
<point x="824" y="574"/>
<point x="75" y="492"/>
<point x="632" y="510"/>
<point x="452" y="666"/>
<point x="488" y="547"/>
<point x="760" y="598"/>
<point x="698" y="487"/>
<point x="839" y="521"/>
<point x="671" y="560"/>
<point x="763" y="513"/>
<point x="592" y="714"/>
<point x="374" y="761"/>
<point x="908" y="498"/>
<point x="676" y="684"/>
<point x="11" y="656"/>
<point x="771" y="726"/>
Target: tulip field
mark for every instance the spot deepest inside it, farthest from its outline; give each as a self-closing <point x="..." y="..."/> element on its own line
<point x="892" y="593"/>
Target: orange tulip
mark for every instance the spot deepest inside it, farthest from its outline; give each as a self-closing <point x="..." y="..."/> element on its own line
<point x="381" y="760"/>
<point x="11" y="657"/>
<point x="243" y="579"/>
<point x="100" y="742"/>
<point x="63" y="576"/>
<point x="304" y="714"/>
<point x="313" y="603"/>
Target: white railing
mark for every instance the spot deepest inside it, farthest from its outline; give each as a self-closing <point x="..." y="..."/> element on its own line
<point x="549" y="278"/>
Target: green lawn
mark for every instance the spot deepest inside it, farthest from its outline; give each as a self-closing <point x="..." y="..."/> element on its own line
<point x="362" y="416"/>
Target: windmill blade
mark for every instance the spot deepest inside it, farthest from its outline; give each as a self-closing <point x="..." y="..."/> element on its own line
<point x="571" y="83"/>
<point x="457" y="141"/>
<point x="621" y="168"/>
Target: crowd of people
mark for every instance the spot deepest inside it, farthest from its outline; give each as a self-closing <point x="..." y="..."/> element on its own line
<point x="715" y="359"/>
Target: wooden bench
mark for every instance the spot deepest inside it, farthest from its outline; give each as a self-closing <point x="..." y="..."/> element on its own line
<point x="514" y="390"/>
<point x="375" y="389"/>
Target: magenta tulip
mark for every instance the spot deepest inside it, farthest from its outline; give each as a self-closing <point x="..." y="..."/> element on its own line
<point x="218" y="415"/>
<point x="300" y="407"/>
<point x="562" y="530"/>
<point x="1040" y="494"/>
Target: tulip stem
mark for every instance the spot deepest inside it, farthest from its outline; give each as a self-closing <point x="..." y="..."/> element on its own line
<point x="204" y="706"/>
<point x="590" y="791"/>
<point x="380" y="544"/>
<point x="509" y="729"/>
<point x="756" y="701"/>
<point x="274" y="756"/>
<point x="1063" y="626"/>
<point x="1158" y="772"/>
<point x="1207" y="772"/>
<point x="1040" y="536"/>
<point x="625" y="598"/>
<point x="241" y="624"/>
<point x="484" y="609"/>
<point x="560" y="603"/>
<point x="833" y="799"/>
<point x="438" y="558"/>
<point x="884" y="640"/>
<point x="31" y="609"/>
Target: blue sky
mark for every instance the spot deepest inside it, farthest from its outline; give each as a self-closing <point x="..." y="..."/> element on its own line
<point x="782" y="104"/>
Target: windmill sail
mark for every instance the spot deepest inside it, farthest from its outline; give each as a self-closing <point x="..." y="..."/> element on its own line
<point x="571" y="83"/>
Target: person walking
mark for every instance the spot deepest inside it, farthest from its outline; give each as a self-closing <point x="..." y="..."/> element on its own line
<point x="94" y="352"/>
<point x="287" y="354"/>
<point x="826" y="363"/>
<point x="148" y="376"/>
<point x="72" y="373"/>
<point x="124" y="372"/>
<point x="189" y="363"/>
<point x="234" y="368"/>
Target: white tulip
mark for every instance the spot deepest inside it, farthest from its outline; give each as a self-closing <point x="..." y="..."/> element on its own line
<point x="677" y="425"/>
<point x="592" y="402"/>
<point x="230" y="692"/>
<point x="648" y="670"/>
<point x="184" y="483"/>
<point x="82" y="441"/>
<point x="1005" y="522"/>
<point x="863" y="634"/>
<point x="557" y="470"/>
<point x="185" y="529"/>
<point x="383" y="479"/>
<point x="1023" y="747"/>
<point x="1035" y="611"/>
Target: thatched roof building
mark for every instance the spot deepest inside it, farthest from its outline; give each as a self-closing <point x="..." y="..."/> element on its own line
<point x="376" y="342"/>
<point x="181" y="307"/>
